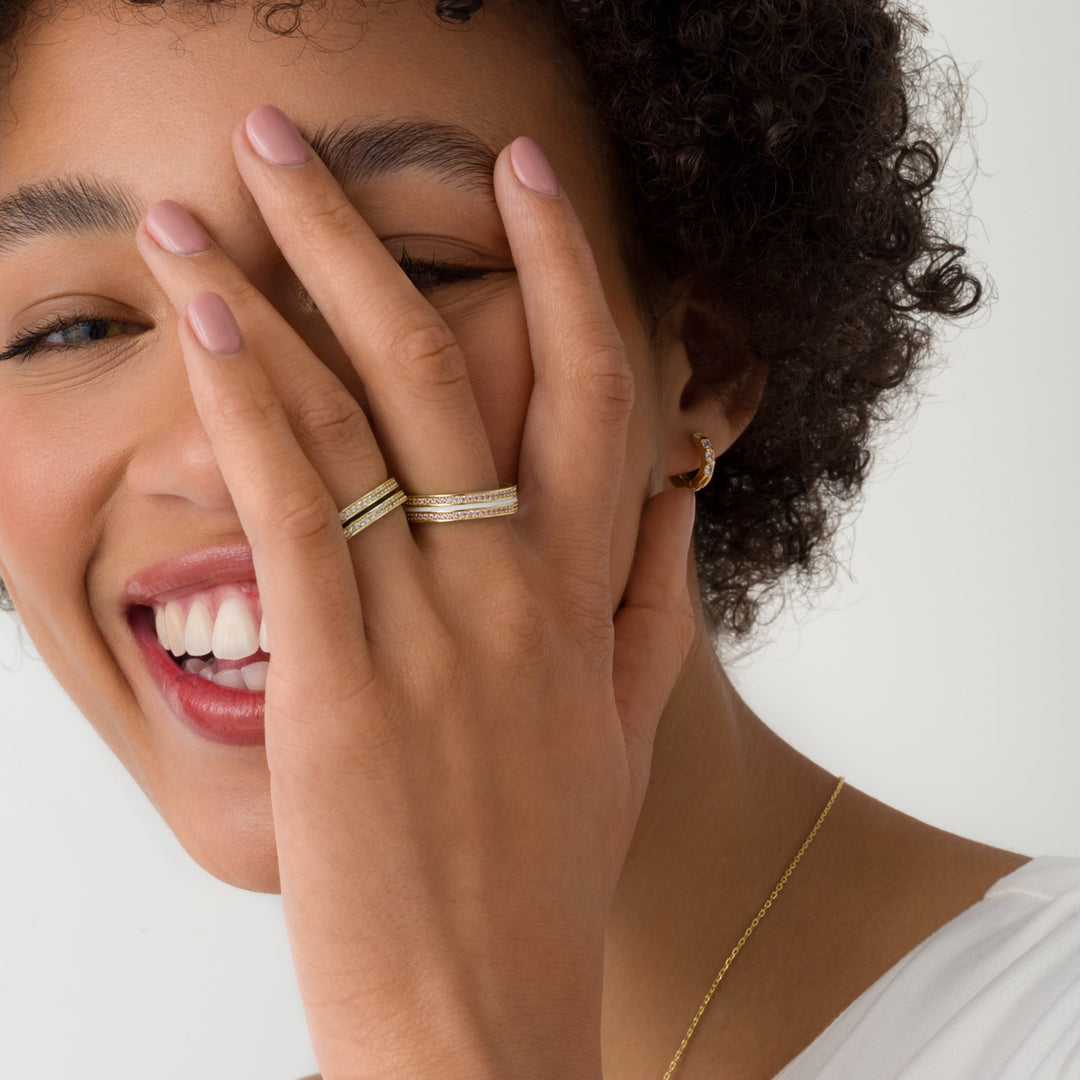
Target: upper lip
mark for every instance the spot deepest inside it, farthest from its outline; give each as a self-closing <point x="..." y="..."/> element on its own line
<point x="188" y="572"/>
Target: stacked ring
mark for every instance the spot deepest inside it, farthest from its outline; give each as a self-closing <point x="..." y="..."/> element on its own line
<point x="466" y="506"/>
<point x="369" y="508"/>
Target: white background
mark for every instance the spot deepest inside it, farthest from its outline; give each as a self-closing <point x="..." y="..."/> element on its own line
<point x="938" y="674"/>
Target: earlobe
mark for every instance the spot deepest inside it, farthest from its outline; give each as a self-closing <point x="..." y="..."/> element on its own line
<point x="713" y="385"/>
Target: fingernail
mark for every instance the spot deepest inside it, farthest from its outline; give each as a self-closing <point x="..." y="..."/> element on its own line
<point x="175" y="229"/>
<point x="273" y="137"/>
<point x="213" y="324"/>
<point x="532" y="168"/>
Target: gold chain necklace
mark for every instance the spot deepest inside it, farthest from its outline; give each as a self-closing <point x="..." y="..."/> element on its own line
<point x="748" y="931"/>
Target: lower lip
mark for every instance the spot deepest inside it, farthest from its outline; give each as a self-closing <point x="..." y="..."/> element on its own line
<point x="217" y="713"/>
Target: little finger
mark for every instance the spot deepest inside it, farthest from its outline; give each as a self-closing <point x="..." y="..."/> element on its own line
<point x="574" y="442"/>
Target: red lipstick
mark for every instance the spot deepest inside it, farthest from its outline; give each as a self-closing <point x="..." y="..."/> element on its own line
<point x="218" y="713"/>
<point x="188" y="573"/>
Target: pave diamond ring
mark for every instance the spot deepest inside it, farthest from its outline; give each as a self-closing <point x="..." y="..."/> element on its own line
<point x="465" y="506"/>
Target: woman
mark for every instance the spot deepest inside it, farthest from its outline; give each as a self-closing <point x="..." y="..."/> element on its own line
<point x="448" y="779"/>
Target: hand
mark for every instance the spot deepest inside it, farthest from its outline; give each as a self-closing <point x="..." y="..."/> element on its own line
<point x="458" y="730"/>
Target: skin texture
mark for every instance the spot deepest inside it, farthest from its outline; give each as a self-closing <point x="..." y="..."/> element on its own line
<point x="513" y="971"/>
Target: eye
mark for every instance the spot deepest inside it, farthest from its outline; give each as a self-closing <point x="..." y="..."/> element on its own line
<point x="430" y="274"/>
<point x="63" y="333"/>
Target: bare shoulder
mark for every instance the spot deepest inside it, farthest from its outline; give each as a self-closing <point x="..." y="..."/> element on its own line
<point x="885" y="853"/>
<point x="884" y="881"/>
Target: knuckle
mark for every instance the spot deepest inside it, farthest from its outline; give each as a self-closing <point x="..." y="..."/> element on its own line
<point x="519" y="631"/>
<point x="255" y="408"/>
<point x="426" y="352"/>
<point x="607" y="381"/>
<point x="326" y="213"/>
<point x="325" y="417"/>
<point x="242" y="296"/>
<point x="304" y="515"/>
<point x="572" y="246"/>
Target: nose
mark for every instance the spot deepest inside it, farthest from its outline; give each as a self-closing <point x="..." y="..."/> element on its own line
<point x="174" y="458"/>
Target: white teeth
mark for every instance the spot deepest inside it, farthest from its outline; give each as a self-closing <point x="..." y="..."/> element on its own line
<point x="231" y="678"/>
<point x="174" y="626"/>
<point x="199" y="635"/>
<point x="254" y="675"/>
<point x="235" y="632"/>
<point x="188" y="625"/>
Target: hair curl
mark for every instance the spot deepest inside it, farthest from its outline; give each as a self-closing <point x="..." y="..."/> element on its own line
<point x="776" y="155"/>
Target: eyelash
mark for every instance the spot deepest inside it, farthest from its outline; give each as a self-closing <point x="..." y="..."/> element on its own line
<point x="425" y="274"/>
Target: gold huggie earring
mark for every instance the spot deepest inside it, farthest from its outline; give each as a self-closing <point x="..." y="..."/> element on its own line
<point x="697" y="480"/>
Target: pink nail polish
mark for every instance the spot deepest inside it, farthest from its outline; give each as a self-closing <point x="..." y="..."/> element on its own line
<point x="175" y="229"/>
<point x="532" y="168"/>
<point x="213" y="324"/>
<point x="273" y="137"/>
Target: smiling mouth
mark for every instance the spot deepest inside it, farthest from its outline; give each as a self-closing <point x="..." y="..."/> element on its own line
<point x="197" y="624"/>
<point x="210" y="695"/>
<point x="216" y="634"/>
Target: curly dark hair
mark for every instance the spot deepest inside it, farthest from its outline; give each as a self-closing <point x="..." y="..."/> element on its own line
<point x="778" y="156"/>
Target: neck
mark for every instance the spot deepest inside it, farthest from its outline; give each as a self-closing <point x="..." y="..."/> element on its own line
<point x="728" y="804"/>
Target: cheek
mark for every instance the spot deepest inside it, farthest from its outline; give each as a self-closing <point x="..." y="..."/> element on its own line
<point x="500" y="364"/>
<point x="63" y="454"/>
<point x="52" y="488"/>
<point x="61" y="510"/>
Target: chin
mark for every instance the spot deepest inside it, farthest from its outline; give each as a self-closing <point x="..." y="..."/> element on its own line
<point x="234" y="844"/>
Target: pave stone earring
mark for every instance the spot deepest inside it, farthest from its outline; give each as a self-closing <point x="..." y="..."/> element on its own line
<point x="695" y="481"/>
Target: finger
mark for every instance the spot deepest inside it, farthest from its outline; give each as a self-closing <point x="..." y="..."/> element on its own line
<point x="574" y="442"/>
<point x="301" y="560"/>
<point x="413" y="370"/>
<point x="328" y="424"/>
<point x="654" y="626"/>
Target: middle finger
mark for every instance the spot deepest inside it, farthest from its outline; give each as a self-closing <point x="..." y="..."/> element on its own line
<point x="414" y="373"/>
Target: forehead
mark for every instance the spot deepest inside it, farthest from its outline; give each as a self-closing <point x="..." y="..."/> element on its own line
<point x="153" y="103"/>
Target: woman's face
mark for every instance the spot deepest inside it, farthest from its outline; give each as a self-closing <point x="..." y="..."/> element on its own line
<point x="106" y="470"/>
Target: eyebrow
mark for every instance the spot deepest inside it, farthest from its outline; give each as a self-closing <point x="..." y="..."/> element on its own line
<point x="356" y="153"/>
<point x="63" y="205"/>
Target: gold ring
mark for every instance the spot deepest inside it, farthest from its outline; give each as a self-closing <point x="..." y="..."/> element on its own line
<point x="465" y="506"/>
<point x="377" y="503"/>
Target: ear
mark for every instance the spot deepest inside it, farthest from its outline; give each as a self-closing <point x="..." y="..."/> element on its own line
<point x="712" y="381"/>
<point x="6" y="601"/>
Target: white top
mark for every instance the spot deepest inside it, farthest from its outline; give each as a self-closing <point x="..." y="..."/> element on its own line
<point x="993" y="995"/>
